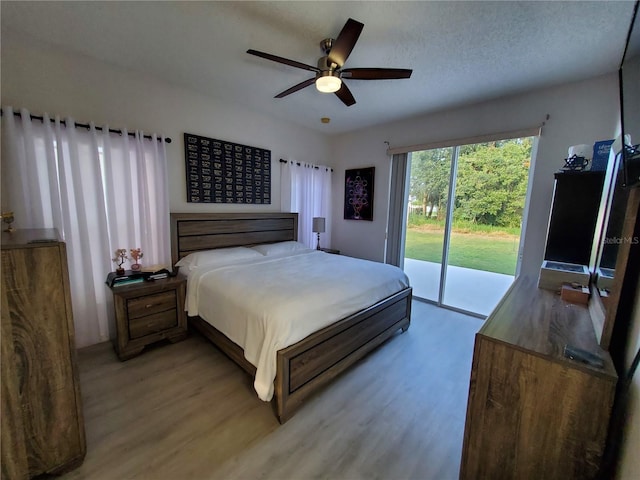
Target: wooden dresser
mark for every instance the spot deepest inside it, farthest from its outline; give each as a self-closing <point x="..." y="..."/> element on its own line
<point x="42" y="422"/>
<point x="532" y="413"/>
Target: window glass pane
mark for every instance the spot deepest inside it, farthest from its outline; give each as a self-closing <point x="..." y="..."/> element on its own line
<point x="428" y="192"/>
<point x="488" y="187"/>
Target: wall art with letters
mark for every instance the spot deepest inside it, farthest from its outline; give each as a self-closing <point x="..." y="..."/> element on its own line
<point x="224" y="172"/>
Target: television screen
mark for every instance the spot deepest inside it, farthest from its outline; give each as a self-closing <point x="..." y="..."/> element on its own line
<point x="630" y="103"/>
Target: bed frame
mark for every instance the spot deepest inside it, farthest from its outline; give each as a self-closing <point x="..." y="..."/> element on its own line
<point x="306" y="366"/>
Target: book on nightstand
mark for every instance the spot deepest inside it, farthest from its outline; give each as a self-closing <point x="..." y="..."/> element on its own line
<point x="130" y="276"/>
<point x="157" y="272"/>
<point x="157" y="268"/>
<point x="129" y="281"/>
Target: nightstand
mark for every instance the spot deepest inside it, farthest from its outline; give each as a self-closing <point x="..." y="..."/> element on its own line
<point x="148" y="312"/>
<point x="330" y="250"/>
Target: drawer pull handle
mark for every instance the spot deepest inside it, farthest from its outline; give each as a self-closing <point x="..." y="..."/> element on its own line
<point x="148" y="305"/>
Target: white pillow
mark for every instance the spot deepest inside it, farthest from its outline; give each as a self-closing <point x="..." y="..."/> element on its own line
<point x="219" y="256"/>
<point x="280" y="248"/>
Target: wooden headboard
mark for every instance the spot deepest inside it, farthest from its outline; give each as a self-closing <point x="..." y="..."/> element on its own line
<point x="191" y="232"/>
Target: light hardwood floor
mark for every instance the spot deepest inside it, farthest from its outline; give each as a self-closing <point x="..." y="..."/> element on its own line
<point x="185" y="411"/>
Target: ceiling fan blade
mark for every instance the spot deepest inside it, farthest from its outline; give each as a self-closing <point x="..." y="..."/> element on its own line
<point x="345" y="95"/>
<point x="376" y="73"/>
<point x="345" y="42"/>
<point x="295" y="88"/>
<point x="286" y="61"/>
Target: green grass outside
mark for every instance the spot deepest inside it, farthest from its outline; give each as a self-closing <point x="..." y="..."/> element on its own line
<point x="494" y="250"/>
<point x="461" y="226"/>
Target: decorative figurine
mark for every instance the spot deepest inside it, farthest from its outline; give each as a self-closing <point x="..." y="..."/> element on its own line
<point x="120" y="258"/>
<point x="575" y="163"/>
<point x="136" y="254"/>
<point x="7" y="217"/>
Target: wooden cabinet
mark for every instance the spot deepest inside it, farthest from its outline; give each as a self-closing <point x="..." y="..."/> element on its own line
<point x="42" y="422"/>
<point x="148" y="312"/>
<point x="532" y="413"/>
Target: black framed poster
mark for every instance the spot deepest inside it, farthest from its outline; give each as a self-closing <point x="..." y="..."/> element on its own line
<point x="358" y="194"/>
<point x="224" y="172"/>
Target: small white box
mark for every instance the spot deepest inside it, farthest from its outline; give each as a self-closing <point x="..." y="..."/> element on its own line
<point x="604" y="278"/>
<point x="554" y="274"/>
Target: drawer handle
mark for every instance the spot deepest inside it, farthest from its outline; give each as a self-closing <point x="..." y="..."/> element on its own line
<point x="148" y="305"/>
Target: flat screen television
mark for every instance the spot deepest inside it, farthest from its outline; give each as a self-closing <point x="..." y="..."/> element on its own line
<point x="614" y="243"/>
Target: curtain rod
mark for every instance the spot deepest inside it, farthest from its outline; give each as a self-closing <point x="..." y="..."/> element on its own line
<point x="491" y="137"/>
<point x="84" y="125"/>
<point x="298" y="164"/>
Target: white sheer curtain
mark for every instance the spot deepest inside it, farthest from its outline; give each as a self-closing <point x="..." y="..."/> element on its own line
<point x="306" y="189"/>
<point x="100" y="190"/>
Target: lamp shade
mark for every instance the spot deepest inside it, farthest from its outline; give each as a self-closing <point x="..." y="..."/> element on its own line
<point x="318" y="224"/>
<point x="328" y="84"/>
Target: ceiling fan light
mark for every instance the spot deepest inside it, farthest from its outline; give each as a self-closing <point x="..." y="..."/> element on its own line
<point x="328" y="84"/>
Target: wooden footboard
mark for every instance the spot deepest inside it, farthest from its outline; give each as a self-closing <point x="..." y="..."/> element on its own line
<point x="309" y="364"/>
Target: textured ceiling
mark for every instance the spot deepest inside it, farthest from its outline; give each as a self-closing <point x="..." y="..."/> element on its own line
<point x="460" y="52"/>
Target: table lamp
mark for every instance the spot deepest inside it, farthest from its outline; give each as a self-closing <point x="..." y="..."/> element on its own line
<point x="318" y="227"/>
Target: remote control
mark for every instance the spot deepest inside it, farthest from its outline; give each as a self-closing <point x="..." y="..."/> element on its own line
<point x="580" y="355"/>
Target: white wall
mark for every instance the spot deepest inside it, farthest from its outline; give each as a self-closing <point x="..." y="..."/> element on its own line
<point x="582" y="112"/>
<point x="42" y="79"/>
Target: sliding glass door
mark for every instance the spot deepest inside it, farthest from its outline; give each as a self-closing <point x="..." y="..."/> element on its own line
<point x="464" y="218"/>
<point x="427" y="214"/>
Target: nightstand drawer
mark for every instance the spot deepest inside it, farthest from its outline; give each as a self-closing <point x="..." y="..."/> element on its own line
<point x="139" y="327"/>
<point x="150" y="304"/>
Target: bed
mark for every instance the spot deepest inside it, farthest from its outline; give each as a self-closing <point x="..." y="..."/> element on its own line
<point x="304" y="366"/>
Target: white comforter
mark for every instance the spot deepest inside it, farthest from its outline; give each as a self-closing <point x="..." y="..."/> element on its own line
<point x="270" y="303"/>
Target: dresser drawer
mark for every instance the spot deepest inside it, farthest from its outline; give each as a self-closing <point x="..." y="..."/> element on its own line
<point x="139" y="327"/>
<point x="150" y="304"/>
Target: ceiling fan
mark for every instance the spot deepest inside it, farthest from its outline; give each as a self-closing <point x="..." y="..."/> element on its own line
<point x="329" y="72"/>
